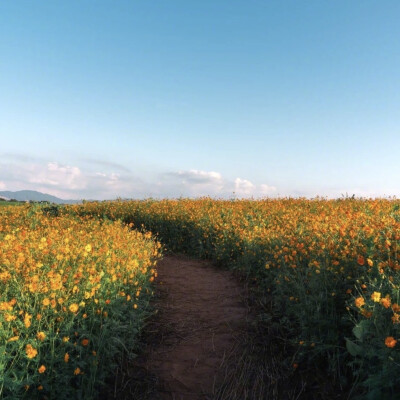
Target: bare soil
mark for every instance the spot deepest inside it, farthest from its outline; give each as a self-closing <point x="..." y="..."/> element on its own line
<point x="201" y="315"/>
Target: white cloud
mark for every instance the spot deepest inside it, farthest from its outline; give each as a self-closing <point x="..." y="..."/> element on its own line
<point x="57" y="175"/>
<point x="195" y="183"/>
<point x="75" y="182"/>
<point x="245" y="188"/>
<point x="200" y="177"/>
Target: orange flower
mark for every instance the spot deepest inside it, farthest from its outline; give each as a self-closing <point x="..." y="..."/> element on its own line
<point x="386" y="302"/>
<point x="390" y="342"/>
<point x="360" y="260"/>
<point x="395" y="307"/>
<point x="367" y="314"/>
<point x="41" y="336"/>
<point x="77" y="371"/>
<point x="85" y="342"/>
<point x="360" y="301"/>
<point x="66" y="357"/>
<point x="41" y="369"/>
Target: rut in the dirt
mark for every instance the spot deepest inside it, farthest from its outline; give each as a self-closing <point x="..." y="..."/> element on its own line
<point x="201" y="314"/>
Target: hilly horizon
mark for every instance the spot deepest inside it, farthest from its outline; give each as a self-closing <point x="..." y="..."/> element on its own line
<point x="33" y="195"/>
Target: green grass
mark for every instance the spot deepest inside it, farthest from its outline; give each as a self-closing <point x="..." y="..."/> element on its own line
<point x="11" y="203"/>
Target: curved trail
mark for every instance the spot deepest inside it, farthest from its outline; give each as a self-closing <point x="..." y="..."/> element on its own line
<point x="201" y="312"/>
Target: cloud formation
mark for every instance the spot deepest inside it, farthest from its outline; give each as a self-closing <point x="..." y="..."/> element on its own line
<point x="195" y="183"/>
<point x="77" y="182"/>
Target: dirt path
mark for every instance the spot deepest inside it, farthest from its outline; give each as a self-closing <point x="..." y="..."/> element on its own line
<point x="201" y="312"/>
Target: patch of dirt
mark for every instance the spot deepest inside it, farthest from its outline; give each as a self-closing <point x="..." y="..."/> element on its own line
<point x="201" y="313"/>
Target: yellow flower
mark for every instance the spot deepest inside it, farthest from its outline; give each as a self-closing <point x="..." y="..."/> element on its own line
<point x="41" y="336"/>
<point x="74" y="307"/>
<point x="376" y="297"/>
<point x="27" y="320"/>
<point x="9" y="317"/>
<point x="31" y="352"/>
<point x="46" y="301"/>
<point x="13" y="339"/>
<point x="88" y="248"/>
<point x="41" y="369"/>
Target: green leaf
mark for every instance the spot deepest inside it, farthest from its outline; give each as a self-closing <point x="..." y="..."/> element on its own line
<point x="360" y="329"/>
<point x="353" y="348"/>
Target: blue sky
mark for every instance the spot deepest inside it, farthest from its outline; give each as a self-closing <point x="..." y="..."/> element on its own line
<point x="105" y="99"/>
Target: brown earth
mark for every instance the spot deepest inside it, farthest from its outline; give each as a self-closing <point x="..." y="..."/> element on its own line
<point x="201" y="313"/>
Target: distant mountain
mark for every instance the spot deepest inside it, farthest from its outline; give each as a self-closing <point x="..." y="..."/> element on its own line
<point x="33" y="195"/>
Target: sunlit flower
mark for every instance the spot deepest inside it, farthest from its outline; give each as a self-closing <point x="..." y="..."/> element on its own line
<point x="46" y="301"/>
<point x="31" y="352"/>
<point x="376" y="297"/>
<point x="73" y="307"/>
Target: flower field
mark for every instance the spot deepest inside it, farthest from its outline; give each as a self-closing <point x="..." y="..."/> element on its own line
<point x="328" y="268"/>
<point x="74" y="292"/>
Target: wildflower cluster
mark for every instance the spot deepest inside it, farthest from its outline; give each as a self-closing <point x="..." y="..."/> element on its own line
<point x="326" y="265"/>
<point x="74" y="293"/>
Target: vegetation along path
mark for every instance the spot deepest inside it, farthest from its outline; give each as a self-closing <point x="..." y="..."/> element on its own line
<point x="201" y="312"/>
